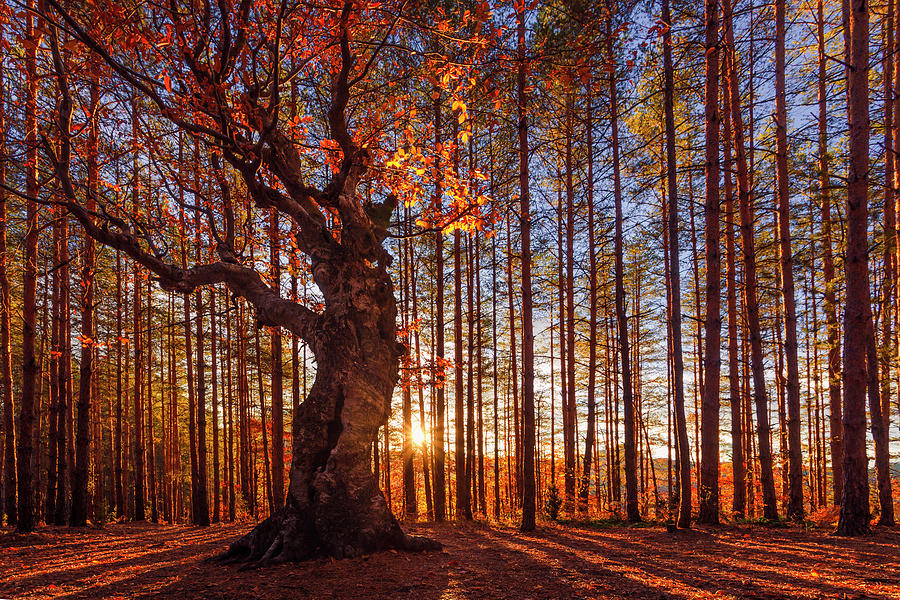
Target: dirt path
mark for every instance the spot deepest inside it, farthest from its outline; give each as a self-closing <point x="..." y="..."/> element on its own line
<point x="478" y="562"/>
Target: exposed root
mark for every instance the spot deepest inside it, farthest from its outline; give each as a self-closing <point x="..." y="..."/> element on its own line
<point x="280" y="539"/>
<point x="255" y="545"/>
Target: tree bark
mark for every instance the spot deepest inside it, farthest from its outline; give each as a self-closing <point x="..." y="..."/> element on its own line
<point x="88" y="332"/>
<point x="118" y="468"/>
<point x="684" y="454"/>
<point x="709" y="459"/>
<point x="277" y="374"/>
<point x="751" y="302"/>
<point x="528" y="430"/>
<point x="440" y="469"/>
<point x="138" y="407"/>
<point x="201" y="511"/>
<point x="334" y="505"/>
<point x="24" y="440"/>
<point x="795" y="456"/>
<point x="854" y="515"/>
<point x="831" y="321"/>
<point x="592" y="318"/>
<point x="738" y="462"/>
<point x="9" y="425"/>
<point x="569" y="374"/>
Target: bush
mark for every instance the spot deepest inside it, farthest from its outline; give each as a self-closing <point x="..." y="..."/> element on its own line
<point x="553" y="503"/>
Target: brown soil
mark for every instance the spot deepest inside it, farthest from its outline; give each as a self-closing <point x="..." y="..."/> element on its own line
<point x="478" y="562"/>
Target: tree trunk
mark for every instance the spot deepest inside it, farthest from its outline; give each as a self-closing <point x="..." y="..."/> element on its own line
<point x="795" y="456"/>
<point x="54" y="421"/>
<point x="138" y="432"/>
<point x="9" y="426"/>
<point x="64" y="449"/>
<point x="152" y="489"/>
<point x="277" y="376"/>
<point x="201" y="511"/>
<point x="592" y="319"/>
<point x="440" y="469"/>
<point x="709" y="460"/>
<point x="334" y="506"/>
<point x="888" y="281"/>
<point x="829" y="305"/>
<point x="24" y="440"/>
<point x="751" y="302"/>
<point x="463" y="505"/>
<point x="528" y="437"/>
<point x="738" y="462"/>
<point x="854" y="515"/>
<point x="214" y="367"/>
<point x="684" y="454"/>
<point x="88" y="333"/>
<point x="569" y="374"/>
<point x="409" y="474"/>
<point x="879" y="430"/>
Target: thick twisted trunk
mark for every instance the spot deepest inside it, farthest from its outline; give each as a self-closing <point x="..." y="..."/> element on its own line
<point x="334" y="506"/>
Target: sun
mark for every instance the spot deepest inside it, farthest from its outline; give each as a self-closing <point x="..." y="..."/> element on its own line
<point x="418" y="435"/>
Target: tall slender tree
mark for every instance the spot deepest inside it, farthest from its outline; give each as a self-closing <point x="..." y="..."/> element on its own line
<point x="709" y="459"/>
<point x="751" y="300"/>
<point x="683" y="447"/>
<point x="795" y="456"/>
<point x="528" y="424"/>
<point x="854" y="515"/>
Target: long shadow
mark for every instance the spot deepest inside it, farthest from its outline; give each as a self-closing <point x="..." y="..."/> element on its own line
<point x="107" y="561"/>
<point x="384" y="575"/>
<point x="716" y="570"/>
<point x="588" y="580"/>
<point x="479" y="562"/>
<point x="706" y="570"/>
<point x="621" y="574"/>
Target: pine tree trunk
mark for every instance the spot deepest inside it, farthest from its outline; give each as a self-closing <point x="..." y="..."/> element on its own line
<point x="592" y="319"/>
<point x="528" y="429"/>
<point x="463" y="506"/>
<point x="569" y="314"/>
<point x="738" y="461"/>
<point x="709" y="460"/>
<point x="440" y="469"/>
<point x="152" y="489"/>
<point x="138" y="406"/>
<point x="54" y="421"/>
<point x="118" y="468"/>
<point x="201" y="511"/>
<point x="277" y="375"/>
<point x="795" y="456"/>
<point x="470" y="374"/>
<point x="854" y="515"/>
<point x="88" y="333"/>
<point x="28" y="402"/>
<point x="882" y="465"/>
<point x="214" y="352"/>
<point x="829" y="305"/>
<point x="9" y="426"/>
<point x="751" y="303"/>
<point x="64" y="438"/>
<point x="684" y="454"/>
<point x="409" y="474"/>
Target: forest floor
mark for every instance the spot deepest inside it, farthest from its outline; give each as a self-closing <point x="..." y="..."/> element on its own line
<point x="139" y="560"/>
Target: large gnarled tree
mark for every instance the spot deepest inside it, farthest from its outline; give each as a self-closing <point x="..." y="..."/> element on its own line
<point x="218" y="74"/>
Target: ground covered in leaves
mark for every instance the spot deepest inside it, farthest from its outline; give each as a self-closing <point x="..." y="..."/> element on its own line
<point x="478" y="562"/>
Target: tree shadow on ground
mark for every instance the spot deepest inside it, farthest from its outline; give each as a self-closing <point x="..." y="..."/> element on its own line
<point x="478" y="562"/>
